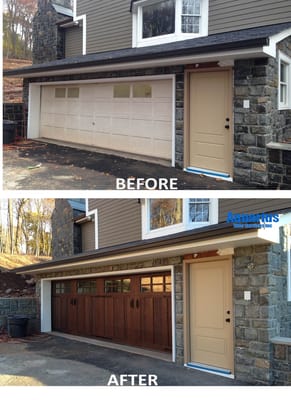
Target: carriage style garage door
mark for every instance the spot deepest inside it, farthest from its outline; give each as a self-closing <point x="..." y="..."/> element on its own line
<point x="132" y="117"/>
<point x="133" y="310"/>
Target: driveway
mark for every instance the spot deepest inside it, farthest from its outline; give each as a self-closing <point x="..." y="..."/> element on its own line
<point x="34" y="165"/>
<point x="46" y="360"/>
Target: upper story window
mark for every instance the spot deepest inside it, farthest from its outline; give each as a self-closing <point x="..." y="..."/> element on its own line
<point x="163" y="21"/>
<point x="284" y="82"/>
<point x="166" y="216"/>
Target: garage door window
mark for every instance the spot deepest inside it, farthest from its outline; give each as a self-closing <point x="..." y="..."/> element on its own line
<point x="121" y="91"/>
<point x="86" y="287"/>
<point x="142" y="90"/>
<point x="73" y="93"/>
<point x="156" y="284"/>
<point x="62" y="287"/>
<point x="60" y="93"/>
<point x="117" y="286"/>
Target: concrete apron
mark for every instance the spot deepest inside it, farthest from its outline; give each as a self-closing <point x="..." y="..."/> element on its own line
<point x="115" y="346"/>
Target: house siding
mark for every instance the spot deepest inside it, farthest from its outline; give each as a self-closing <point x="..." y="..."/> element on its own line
<point x="119" y="220"/>
<point x="73" y="42"/>
<point x="109" y="24"/>
<point x="88" y="236"/>
<point x="228" y="15"/>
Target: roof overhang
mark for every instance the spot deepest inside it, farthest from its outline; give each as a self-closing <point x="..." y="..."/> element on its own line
<point x="218" y="237"/>
<point x="221" y="48"/>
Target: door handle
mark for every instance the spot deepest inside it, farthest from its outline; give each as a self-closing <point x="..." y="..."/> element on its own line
<point x="131" y="303"/>
<point x="226" y="126"/>
<point x="137" y="304"/>
<point x="227" y="320"/>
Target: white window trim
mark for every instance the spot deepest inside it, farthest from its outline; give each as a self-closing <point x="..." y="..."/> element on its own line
<point x="287" y="60"/>
<point x="184" y="226"/>
<point x="138" y="41"/>
<point x="93" y="213"/>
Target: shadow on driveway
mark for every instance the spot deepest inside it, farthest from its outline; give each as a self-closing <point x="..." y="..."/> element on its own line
<point x="56" y="361"/>
<point x="44" y="166"/>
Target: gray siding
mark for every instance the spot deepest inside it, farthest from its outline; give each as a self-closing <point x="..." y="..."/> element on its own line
<point x="73" y="41"/>
<point x="228" y="15"/>
<point x="88" y="236"/>
<point x="109" y="24"/>
<point x="119" y="220"/>
<point x="250" y="206"/>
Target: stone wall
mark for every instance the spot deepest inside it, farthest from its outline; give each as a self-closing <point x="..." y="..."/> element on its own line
<point x="256" y="80"/>
<point x="62" y="230"/>
<point x="16" y="112"/>
<point x="27" y="306"/>
<point x="281" y="355"/>
<point x="48" y="38"/>
<point x="262" y="270"/>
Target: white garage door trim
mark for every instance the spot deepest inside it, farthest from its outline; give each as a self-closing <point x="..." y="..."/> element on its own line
<point x="34" y="105"/>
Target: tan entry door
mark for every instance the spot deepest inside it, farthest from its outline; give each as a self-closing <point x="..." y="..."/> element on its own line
<point x="211" y="122"/>
<point x="211" y="320"/>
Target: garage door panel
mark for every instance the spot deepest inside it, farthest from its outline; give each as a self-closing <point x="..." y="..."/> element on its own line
<point x="162" y="89"/>
<point x="118" y="124"/>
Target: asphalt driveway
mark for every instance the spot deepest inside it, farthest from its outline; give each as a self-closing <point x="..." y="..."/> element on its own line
<point x="46" y="360"/>
<point x="33" y="165"/>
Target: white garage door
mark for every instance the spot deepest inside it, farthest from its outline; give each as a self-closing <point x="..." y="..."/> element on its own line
<point x="131" y="117"/>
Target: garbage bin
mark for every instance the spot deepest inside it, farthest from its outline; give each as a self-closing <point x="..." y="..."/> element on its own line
<point x="17" y="326"/>
<point x="9" y="131"/>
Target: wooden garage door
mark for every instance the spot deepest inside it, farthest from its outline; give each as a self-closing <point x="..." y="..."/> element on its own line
<point x="133" y="310"/>
<point x="131" y="117"/>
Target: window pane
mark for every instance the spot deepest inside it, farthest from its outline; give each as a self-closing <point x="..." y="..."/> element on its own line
<point x="199" y="210"/>
<point x="157" y="279"/>
<point x="73" y="93"/>
<point x="283" y="94"/>
<point x="165" y="212"/>
<point x="126" y="285"/>
<point x="145" y="281"/>
<point x="190" y="24"/>
<point x="60" y="92"/>
<point x="191" y="7"/>
<point x="142" y="90"/>
<point x="121" y="91"/>
<point x="158" y="19"/>
<point x="85" y="287"/>
<point x="283" y="72"/>
<point x="158" y="288"/>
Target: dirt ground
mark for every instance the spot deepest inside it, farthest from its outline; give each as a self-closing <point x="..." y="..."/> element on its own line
<point x="12" y="87"/>
<point x="33" y="165"/>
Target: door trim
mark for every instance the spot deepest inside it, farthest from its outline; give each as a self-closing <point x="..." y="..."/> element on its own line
<point x="186" y="305"/>
<point x="187" y="166"/>
<point x="46" y="295"/>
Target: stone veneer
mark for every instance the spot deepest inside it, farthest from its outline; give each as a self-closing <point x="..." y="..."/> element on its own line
<point x="256" y="80"/>
<point x="262" y="270"/>
<point x="62" y="230"/>
<point x="48" y="38"/>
